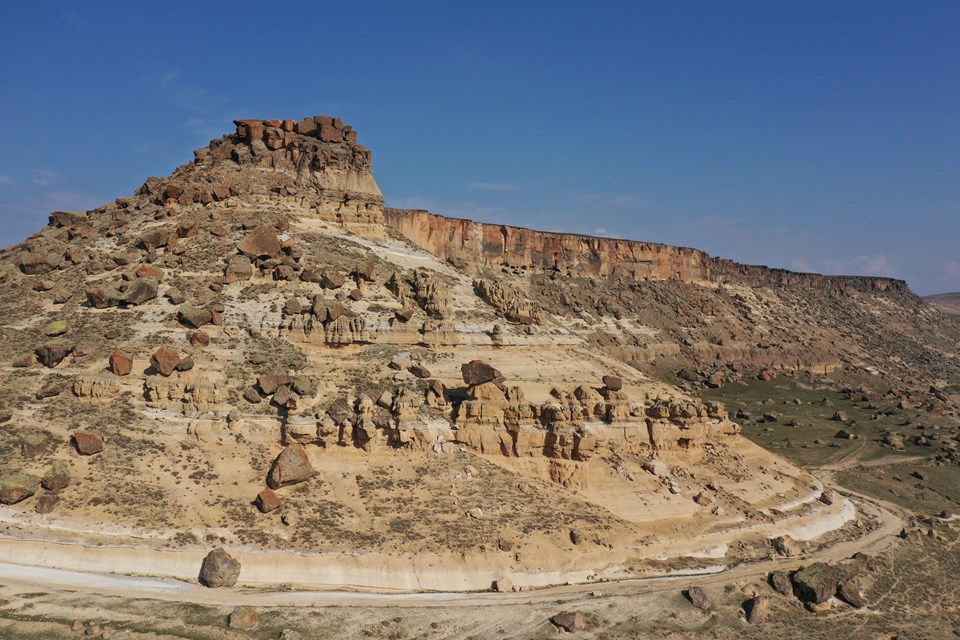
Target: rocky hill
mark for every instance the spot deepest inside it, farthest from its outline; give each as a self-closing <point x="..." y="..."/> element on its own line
<point x="676" y="307"/>
<point x="254" y="353"/>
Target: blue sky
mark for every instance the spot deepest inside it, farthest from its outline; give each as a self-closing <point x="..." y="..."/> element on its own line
<point x="817" y="136"/>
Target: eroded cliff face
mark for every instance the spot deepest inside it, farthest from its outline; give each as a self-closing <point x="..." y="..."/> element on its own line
<point x="476" y="245"/>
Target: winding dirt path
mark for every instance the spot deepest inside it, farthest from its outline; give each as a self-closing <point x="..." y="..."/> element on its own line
<point x="889" y="516"/>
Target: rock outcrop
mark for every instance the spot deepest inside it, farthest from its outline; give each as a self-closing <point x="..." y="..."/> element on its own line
<point x="314" y="163"/>
<point x="477" y="245"/>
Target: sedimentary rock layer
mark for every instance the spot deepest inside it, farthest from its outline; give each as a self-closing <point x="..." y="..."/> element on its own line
<point x="476" y="245"/>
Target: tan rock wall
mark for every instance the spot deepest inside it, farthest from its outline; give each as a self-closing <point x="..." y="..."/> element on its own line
<point x="477" y="245"/>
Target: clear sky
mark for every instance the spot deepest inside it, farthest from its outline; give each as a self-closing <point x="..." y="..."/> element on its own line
<point x="820" y="136"/>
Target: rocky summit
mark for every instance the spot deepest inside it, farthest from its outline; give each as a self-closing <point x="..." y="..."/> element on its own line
<point x="254" y="355"/>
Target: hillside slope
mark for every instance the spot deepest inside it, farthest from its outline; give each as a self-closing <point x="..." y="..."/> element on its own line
<point x="427" y="414"/>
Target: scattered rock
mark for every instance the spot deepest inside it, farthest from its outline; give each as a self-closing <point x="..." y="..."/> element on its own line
<point x="894" y="440"/>
<point x="816" y="583"/>
<point x="575" y="536"/>
<point x="50" y="389"/>
<point x="56" y="328"/>
<point x="328" y="281"/>
<point x="16" y="487"/>
<point x="57" y="477"/>
<point x="141" y="290"/>
<point x="400" y="361"/>
<point x="504" y="545"/>
<point x="839" y="416"/>
<point x="267" y="500"/>
<point x="54" y="352"/>
<point x="239" y="268"/>
<point x="164" y="361"/>
<point x="614" y="383"/>
<point x="703" y="499"/>
<point x="46" y="503"/>
<point x="849" y="592"/>
<point x="697" y="597"/>
<point x="242" y="618"/>
<point x="284" y="396"/>
<point x="570" y="621"/>
<point x="219" y="569"/>
<point x="477" y="372"/>
<point x="780" y="581"/>
<point x="261" y="243"/>
<point x="271" y="382"/>
<point x="290" y="467"/>
<point x="785" y="546"/>
<point x="148" y="271"/>
<point x="121" y="364"/>
<point x="757" y="609"/>
<point x="87" y="443"/>
<point x="104" y="297"/>
<point x="199" y="339"/>
<point x="194" y="317"/>
<point x="420" y="371"/>
<point x="25" y="361"/>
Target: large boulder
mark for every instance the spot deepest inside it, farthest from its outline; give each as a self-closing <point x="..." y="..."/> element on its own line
<point x="757" y="609"/>
<point x="56" y="328"/>
<point x="816" y="583"/>
<point x="267" y="500"/>
<point x="614" y="383"/>
<point x="121" y="364"/>
<point x="570" y="621"/>
<point x="269" y="383"/>
<point x="104" y="296"/>
<point x="194" y="317"/>
<point x="290" y="467"/>
<point x="261" y="243"/>
<point x="780" y="581"/>
<point x="165" y="361"/>
<point x="239" y="268"/>
<point x="16" y="487"/>
<point x="219" y="569"/>
<point x="477" y="372"/>
<point x="849" y="592"/>
<point x="141" y="290"/>
<point x="53" y="353"/>
<point x="57" y="477"/>
<point x="39" y="262"/>
<point x="698" y="598"/>
<point x="87" y="443"/>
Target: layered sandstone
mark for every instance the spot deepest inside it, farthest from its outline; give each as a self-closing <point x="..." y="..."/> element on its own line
<point x="477" y="245"/>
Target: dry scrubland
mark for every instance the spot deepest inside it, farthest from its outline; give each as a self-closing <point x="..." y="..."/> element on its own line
<point x="254" y="354"/>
